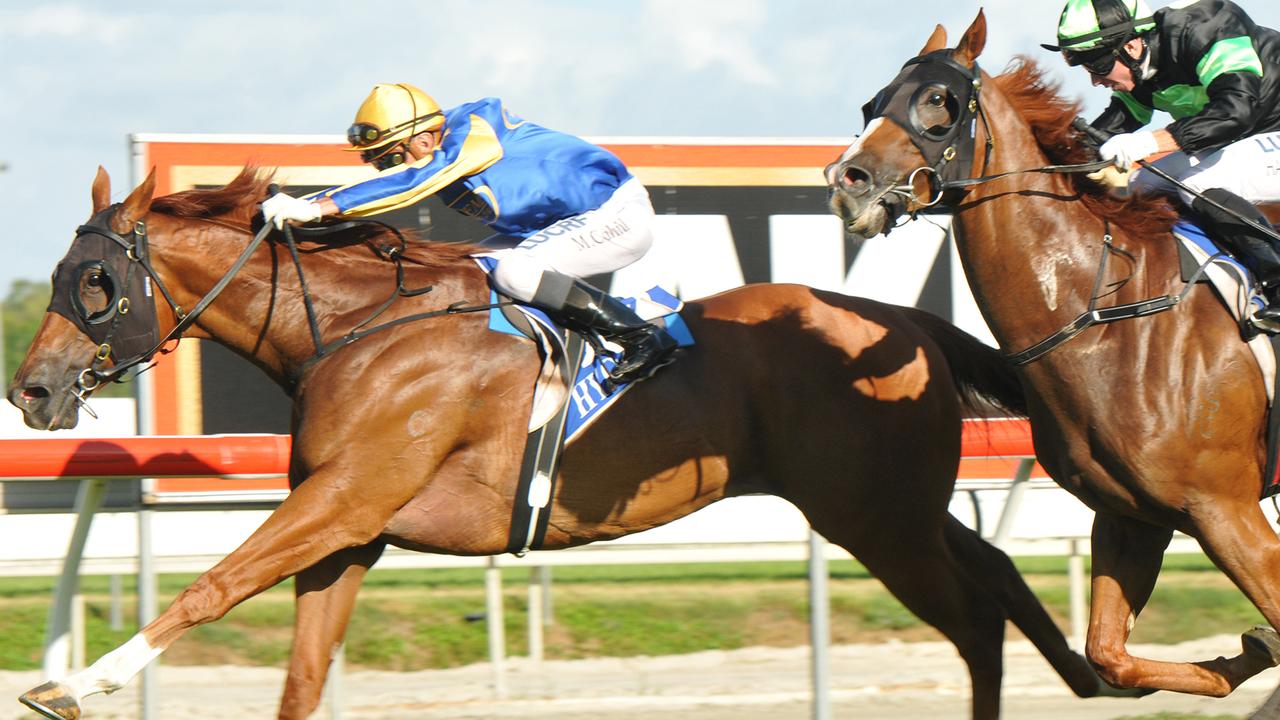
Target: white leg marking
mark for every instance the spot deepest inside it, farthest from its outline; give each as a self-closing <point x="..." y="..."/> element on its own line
<point x="113" y="670"/>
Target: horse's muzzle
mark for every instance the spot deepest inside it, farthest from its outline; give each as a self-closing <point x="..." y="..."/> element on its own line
<point x="43" y="408"/>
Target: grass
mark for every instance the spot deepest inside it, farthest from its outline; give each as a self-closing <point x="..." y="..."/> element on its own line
<point x="414" y="619"/>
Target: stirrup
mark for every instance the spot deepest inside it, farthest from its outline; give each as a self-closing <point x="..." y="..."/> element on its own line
<point x="1266" y="320"/>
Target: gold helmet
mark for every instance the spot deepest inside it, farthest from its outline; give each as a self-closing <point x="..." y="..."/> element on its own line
<point x="390" y="114"/>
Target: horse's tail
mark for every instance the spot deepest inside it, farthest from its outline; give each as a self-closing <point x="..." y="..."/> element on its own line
<point x="981" y="373"/>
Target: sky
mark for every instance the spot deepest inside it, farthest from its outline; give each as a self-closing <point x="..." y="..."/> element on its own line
<point x="77" y="78"/>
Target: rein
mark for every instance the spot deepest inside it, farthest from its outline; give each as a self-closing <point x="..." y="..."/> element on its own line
<point x="136" y="249"/>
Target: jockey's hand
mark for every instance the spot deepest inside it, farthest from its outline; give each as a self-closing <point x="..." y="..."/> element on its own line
<point x="1128" y="148"/>
<point x="1115" y="180"/>
<point x="281" y="208"/>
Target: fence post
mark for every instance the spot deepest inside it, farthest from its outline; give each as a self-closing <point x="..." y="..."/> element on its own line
<point x="497" y="631"/>
<point x="57" y="637"/>
<point x="819" y="627"/>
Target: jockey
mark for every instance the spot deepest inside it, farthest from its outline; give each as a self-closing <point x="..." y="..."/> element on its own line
<point x="577" y="209"/>
<point x="1218" y="74"/>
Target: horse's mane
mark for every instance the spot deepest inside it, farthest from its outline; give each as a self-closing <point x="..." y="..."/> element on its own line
<point x="237" y="202"/>
<point x="1038" y="101"/>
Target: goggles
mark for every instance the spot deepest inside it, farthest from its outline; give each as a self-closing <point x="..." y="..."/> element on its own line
<point x="383" y="158"/>
<point x="366" y="134"/>
<point x="1097" y="62"/>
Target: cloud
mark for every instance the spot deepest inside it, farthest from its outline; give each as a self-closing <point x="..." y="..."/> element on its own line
<point x="712" y="34"/>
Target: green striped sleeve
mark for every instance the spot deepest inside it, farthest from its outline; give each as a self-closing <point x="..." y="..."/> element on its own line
<point x="1229" y="56"/>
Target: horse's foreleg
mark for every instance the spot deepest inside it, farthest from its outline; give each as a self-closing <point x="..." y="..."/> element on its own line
<point x="326" y="595"/>
<point x="1126" y="561"/>
<point x="323" y="515"/>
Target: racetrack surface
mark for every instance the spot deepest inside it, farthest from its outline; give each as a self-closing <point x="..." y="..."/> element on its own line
<point x="898" y="681"/>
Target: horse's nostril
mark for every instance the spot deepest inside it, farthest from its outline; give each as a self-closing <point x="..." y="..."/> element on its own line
<point x="855" y="180"/>
<point x="35" y="392"/>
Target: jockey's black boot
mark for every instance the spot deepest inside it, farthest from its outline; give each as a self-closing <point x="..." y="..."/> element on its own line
<point x="645" y="346"/>
<point x="1255" y="250"/>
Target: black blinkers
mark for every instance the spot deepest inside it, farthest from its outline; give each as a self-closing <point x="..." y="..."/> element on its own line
<point x="947" y="148"/>
<point x="122" y="321"/>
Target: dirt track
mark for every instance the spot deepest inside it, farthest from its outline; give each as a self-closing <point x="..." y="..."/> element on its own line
<point x="914" y="681"/>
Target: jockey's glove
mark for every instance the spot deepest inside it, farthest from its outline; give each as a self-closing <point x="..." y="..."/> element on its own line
<point x="1128" y="148"/>
<point x="281" y="208"/>
<point x="1115" y="180"/>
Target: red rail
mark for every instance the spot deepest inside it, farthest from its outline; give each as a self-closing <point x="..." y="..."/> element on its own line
<point x="268" y="455"/>
<point x="146" y="456"/>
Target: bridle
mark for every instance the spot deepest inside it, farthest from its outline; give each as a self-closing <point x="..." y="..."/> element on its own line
<point x="944" y="154"/>
<point x="950" y="157"/>
<point x="129" y="338"/>
<point x="124" y="336"/>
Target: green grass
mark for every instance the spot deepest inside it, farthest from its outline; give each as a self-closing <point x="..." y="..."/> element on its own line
<point x="413" y="619"/>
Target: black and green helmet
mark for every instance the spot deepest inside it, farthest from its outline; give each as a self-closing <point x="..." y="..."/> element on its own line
<point x="1089" y="28"/>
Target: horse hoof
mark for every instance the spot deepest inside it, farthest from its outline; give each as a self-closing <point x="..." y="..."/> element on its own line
<point x="1263" y="643"/>
<point x="52" y="700"/>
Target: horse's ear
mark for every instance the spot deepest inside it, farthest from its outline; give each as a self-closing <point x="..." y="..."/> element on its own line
<point x="975" y="38"/>
<point x="136" y="205"/>
<point x="937" y="41"/>
<point x="101" y="190"/>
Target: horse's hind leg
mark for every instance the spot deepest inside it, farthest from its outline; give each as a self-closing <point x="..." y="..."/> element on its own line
<point x="325" y="596"/>
<point x="914" y="564"/>
<point x="1126" y="561"/>
<point x="995" y="572"/>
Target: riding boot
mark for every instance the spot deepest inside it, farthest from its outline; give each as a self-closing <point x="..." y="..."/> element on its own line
<point x="1255" y="250"/>
<point x="645" y="346"/>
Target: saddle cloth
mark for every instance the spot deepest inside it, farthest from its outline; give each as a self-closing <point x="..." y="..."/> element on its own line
<point x="1235" y="286"/>
<point x="589" y="394"/>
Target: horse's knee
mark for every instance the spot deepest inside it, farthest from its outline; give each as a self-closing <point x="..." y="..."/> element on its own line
<point x="201" y="602"/>
<point x="1115" y="666"/>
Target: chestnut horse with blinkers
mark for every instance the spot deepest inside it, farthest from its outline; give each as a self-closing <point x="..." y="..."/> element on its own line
<point x="1158" y="423"/>
<point x="412" y="436"/>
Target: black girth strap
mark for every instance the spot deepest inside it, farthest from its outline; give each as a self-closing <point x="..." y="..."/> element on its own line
<point x="531" y="507"/>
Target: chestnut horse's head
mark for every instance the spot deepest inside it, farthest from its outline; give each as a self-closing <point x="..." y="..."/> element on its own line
<point x="102" y="311"/>
<point x="920" y="131"/>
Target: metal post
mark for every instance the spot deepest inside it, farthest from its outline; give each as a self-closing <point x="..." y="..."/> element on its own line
<point x="147" y="600"/>
<point x="335" y="686"/>
<point x="535" y="614"/>
<point x="116" y="612"/>
<point x="1076" y="581"/>
<point x="494" y="621"/>
<point x="1013" y="501"/>
<point x="78" y="637"/>
<point x="57" y="637"/>
<point x="819" y="627"/>
<point x="548" y="612"/>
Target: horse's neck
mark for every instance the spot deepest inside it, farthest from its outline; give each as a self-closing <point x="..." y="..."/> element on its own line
<point x="1030" y="250"/>
<point x="261" y="314"/>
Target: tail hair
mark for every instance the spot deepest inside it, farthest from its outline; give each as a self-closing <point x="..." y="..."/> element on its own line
<point x="987" y="382"/>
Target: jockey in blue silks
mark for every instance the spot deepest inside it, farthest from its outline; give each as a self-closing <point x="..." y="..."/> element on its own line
<point x="575" y="206"/>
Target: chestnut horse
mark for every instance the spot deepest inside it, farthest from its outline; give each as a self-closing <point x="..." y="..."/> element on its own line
<point x="413" y="435"/>
<point x="1157" y="423"/>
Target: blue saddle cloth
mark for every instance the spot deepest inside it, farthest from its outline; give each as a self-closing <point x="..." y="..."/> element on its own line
<point x="590" y="394"/>
<point x="1190" y="232"/>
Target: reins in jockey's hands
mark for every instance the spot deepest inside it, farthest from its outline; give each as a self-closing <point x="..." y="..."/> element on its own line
<point x="1126" y="149"/>
<point x="281" y="208"/>
<point x="1115" y="180"/>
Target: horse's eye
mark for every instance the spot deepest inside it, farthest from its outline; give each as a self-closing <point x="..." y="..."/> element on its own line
<point x="94" y="279"/>
<point x="936" y="99"/>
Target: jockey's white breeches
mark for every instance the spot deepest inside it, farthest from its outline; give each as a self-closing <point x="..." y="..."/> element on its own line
<point x="1249" y="168"/>
<point x="603" y="240"/>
